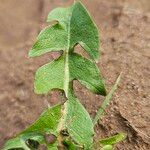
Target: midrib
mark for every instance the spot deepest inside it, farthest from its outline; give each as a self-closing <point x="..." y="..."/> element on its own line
<point x="61" y="125"/>
<point x="66" y="77"/>
<point x="66" y="112"/>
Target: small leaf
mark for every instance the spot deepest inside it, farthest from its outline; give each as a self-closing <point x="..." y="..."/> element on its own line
<point x="106" y="102"/>
<point x="15" y="143"/>
<point x="35" y="134"/>
<point x="47" y="122"/>
<point x="108" y="143"/>
<point x="26" y="141"/>
<point x="113" y="139"/>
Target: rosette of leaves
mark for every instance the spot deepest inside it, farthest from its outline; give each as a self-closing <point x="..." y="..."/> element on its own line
<point x="70" y="123"/>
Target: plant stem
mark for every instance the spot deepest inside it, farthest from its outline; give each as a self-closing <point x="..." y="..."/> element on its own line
<point x="106" y="102"/>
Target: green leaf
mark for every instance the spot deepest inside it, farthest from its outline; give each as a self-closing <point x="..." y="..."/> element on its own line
<point x="46" y="124"/>
<point x="77" y="122"/>
<point x="87" y="73"/>
<point x="28" y="141"/>
<point x="52" y="75"/>
<point x="15" y="143"/>
<point x="108" y="143"/>
<point x="113" y="139"/>
<point x="52" y="146"/>
<point x="61" y="15"/>
<point x="107" y="147"/>
<point x="50" y="39"/>
<point x="70" y="145"/>
<point x="106" y="101"/>
<point x="75" y="27"/>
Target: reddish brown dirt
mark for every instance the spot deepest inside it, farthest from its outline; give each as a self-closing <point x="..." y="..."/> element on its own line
<point x="125" y="44"/>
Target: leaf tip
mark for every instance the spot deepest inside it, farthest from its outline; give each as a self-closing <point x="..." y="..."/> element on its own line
<point x="30" y="54"/>
<point x="104" y="92"/>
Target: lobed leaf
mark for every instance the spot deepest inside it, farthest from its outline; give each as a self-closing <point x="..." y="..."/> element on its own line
<point x="52" y="76"/>
<point x="78" y="123"/>
<point x="74" y="26"/>
<point x="46" y="124"/>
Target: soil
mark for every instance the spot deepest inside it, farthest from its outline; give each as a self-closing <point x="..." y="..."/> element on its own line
<point x="125" y="47"/>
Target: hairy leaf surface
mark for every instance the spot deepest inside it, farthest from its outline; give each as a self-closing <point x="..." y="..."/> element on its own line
<point x="47" y="122"/>
<point x="52" y="75"/>
<point x="74" y="26"/>
<point x="52" y="38"/>
<point x="70" y="122"/>
<point x="87" y="73"/>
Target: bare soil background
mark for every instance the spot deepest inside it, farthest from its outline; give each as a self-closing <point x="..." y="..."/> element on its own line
<point x="124" y="26"/>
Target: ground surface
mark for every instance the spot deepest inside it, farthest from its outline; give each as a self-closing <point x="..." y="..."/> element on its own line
<point x="125" y="44"/>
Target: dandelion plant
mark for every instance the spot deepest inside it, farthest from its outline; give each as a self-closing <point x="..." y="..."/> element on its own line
<point x="69" y="123"/>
